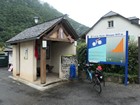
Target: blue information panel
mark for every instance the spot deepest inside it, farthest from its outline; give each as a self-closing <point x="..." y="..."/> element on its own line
<point x="97" y="49"/>
<point x="109" y="49"/>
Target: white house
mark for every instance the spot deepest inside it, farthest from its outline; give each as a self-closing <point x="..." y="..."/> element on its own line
<point x="108" y="43"/>
<point x="114" y="23"/>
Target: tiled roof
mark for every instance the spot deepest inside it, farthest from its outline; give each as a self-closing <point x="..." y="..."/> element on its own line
<point x="111" y="13"/>
<point x="134" y="17"/>
<point x="8" y="49"/>
<point x="34" y="32"/>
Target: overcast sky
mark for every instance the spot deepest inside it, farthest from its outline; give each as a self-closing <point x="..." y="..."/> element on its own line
<point x="88" y="12"/>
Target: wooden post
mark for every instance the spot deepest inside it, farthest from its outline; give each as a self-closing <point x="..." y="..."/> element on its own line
<point x="43" y="65"/>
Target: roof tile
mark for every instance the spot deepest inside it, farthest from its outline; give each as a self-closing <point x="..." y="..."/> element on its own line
<point x="34" y="31"/>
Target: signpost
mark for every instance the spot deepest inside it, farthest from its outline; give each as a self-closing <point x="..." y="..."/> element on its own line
<point x="109" y="49"/>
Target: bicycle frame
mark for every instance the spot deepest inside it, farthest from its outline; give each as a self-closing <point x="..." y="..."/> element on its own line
<point x="90" y="74"/>
<point x="96" y="77"/>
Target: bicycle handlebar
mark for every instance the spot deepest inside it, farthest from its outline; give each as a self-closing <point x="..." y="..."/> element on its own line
<point x="87" y="64"/>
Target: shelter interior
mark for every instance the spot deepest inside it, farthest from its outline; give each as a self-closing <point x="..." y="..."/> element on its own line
<point x="59" y="43"/>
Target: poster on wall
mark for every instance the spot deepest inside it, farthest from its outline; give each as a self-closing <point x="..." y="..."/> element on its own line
<point x="108" y="48"/>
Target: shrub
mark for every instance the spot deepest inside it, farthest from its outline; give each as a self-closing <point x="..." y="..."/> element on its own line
<point x="132" y="60"/>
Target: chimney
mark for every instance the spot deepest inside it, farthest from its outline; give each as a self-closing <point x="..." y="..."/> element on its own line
<point x="134" y="20"/>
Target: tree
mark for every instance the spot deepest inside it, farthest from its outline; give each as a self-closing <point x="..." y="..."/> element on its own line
<point x="17" y="15"/>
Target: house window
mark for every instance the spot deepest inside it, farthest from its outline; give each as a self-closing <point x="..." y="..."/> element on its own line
<point x="110" y="24"/>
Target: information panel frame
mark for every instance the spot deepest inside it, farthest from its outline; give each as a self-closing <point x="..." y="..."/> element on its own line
<point x="109" y="49"/>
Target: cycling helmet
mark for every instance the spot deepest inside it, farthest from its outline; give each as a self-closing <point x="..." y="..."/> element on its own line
<point x="99" y="68"/>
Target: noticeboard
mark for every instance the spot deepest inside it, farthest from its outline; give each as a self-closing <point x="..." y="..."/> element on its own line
<point x="108" y="49"/>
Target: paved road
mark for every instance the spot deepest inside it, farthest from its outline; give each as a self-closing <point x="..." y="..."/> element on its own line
<point x="72" y="93"/>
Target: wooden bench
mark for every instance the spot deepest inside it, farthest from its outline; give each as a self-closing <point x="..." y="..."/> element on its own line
<point x="48" y="68"/>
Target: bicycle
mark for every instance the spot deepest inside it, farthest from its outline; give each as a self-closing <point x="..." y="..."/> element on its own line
<point x="98" y="79"/>
<point x="95" y="77"/>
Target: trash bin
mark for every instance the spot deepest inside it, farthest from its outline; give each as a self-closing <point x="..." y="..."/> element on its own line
<point x="3" y="60"/>
<point x="72" y="71"/>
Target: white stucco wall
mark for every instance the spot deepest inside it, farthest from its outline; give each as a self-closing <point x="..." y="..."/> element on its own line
<point x="27" y="61"/>
<point x="121" y="25"/>
<point x="10" y="57"/>
<point x="60" y="49"/>
<point x="15" y="60"/>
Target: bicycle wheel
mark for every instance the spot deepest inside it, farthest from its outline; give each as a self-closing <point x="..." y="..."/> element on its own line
<point x="97" y="85"/>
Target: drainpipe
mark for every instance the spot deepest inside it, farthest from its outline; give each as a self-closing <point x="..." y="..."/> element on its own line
<point x="139" y="59"/>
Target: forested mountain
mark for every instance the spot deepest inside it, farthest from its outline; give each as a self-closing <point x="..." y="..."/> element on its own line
<point x="17" y="15"/>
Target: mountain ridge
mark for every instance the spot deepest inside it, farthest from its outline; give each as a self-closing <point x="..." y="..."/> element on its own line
<point x="17" y="15"/>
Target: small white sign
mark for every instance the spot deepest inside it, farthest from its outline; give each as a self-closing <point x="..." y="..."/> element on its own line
<point x="26" y="53"/>
<point x="44" y="44"/>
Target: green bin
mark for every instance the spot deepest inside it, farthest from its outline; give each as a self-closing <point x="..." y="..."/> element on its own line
<point x="3" y="60"/>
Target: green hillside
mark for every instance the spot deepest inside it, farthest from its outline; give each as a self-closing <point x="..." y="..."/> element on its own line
<point x="17" y="15"/>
